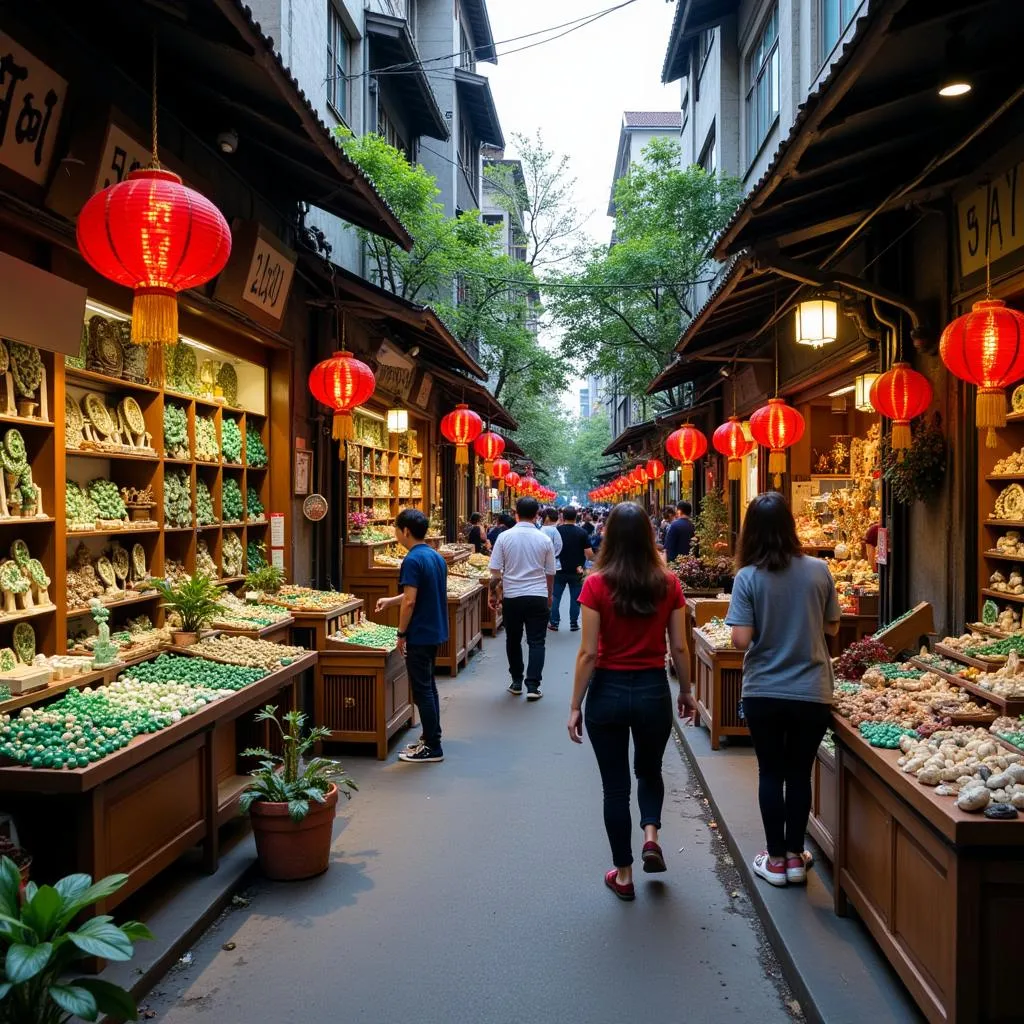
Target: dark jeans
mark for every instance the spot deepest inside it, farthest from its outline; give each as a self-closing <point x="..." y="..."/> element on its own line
<point x="786" y="735"/>
<point x="574" y="581"/>
<point x="620" y="703"/>
<point x="419" y="663"/>
<point x="530" y="613"/>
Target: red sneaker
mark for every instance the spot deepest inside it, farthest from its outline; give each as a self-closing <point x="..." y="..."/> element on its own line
<point x="624" y="892"/>
<point x="653" y="858"/>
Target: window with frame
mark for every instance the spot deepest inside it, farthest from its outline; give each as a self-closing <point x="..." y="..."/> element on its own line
<point x="468" y="152"/>
<point x="467" y="55"/>
<point x="834" y="16"/>
<point x="389" y="131"/>
<point x="708" y="160"/>
<point x="337" y="62"/>
<point x="763" y="85"/>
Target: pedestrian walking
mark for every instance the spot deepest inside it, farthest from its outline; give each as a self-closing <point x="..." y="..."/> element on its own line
<point x="522" y="577"/>
<point x="629" y="603"/>
<point x="550" y="518"/>
<point x="576" y="551"/>
<point x="475" y="534"/>
<point x="504" y="522"/>
<point x="679" y="535"/>
<point x="422" y="627"/>
<point x="783" y="605"/>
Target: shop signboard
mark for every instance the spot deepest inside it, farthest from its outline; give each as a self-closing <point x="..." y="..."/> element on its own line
<point x="258" y="278"/>
<point x="31" y="103"/>
<point x="423" y="391"/>
<point x="990" y="220"/>
<point x="122" y="154"/>
<point x="394" y="371"/>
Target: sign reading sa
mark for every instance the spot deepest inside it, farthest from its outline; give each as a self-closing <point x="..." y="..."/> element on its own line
<point x="991" y="219"/>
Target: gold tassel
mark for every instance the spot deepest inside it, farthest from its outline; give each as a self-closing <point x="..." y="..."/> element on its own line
<point x="461" y="455"/>
<point x="777" y="481"/>
<point x="777" y="465"/>
<point x="735" y="469"/>
<point x="488" y="467"/>
<point x="342" y="432"/>
<point x="155" y="366"/>
<point x="901" y="436"/>
<point x="991" y="412"/>
<point x="155" y="318"/>
<point x="687" y="471"/>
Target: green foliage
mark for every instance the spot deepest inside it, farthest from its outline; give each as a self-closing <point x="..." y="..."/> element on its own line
<point x="584" y="462"/>
<point x="42" y="936"/>
<point x="196" y="600"/>
<point x="267" y="579"/>
<point x="288" y="779"/>
<point x="917" y="473"/>
<point x="712" y="523"/>
<point x="666" y="218"/>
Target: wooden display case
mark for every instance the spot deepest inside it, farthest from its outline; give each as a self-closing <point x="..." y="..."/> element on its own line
<point x="699" y="611"/>
<point x="492" y="620"/>
<point x="371" y="582"/>
<point x="310" y="629"/>
<point x="718" y="684"/>
<point x="384" y="472"/>
<point x="940" y="890"/>
<point x="823" y="822"/>
<point x="464" y="632"/>
<point x="362" y="694"/>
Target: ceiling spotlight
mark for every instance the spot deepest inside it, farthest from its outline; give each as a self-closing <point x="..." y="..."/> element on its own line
<point x="227" y="141"/>
<point x="724" y="371"/>
<point x="414" y="351"/>
<point x="954" y="81"/>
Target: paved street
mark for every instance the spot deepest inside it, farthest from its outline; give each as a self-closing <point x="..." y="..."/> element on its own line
<point x="472" y="892"/>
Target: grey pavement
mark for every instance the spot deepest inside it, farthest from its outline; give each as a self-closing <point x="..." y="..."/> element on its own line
<point x="472" y="891"/>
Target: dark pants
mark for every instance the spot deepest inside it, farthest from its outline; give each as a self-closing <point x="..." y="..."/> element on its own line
<point x="574" y="581"/>
<point x="530" y="613"/>
<point x="786" y="735"/>
<point x="620" y="703"/>
<point x="419" y="663"/>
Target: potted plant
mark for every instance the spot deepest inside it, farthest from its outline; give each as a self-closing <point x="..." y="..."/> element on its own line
<point x="291" y="802"/>
<point x="267" y="579"/>
<point x="357" y="523"/>
<point x="41" y="938"/>
<point x="196" y="601"/>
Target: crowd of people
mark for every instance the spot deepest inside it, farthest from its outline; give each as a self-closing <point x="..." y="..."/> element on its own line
<point x="630" y="609"/>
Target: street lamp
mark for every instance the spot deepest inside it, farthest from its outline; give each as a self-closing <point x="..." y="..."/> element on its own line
<point x="817" y="322"/>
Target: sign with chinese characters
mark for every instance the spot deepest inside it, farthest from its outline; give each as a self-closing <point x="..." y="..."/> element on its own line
<point x="270" y="276"/>
<point x="423" y="394"/>
<point x="121" y="155"/>
<point x="394" y="371"/>
<point x="991" y="219"/>
<point x="31" y="103"/>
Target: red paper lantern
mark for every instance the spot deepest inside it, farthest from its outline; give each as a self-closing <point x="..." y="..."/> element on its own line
<point x="529" y="486"/>
<point x="687" y="444"/>
<point x="462" y="427"/>
<point x="500" y="470"/>
<point x="986" y="348"/>
<point x="158" y="237"/>
<point x="513" y="480"/>
<point x="342" y="383"/>
<point x="776" y="426"/>
<point x="639" y="476"/>
<point x="901" y="394"/>
<point x="489" y="447"/>
<point x="730" y="441"/>
<point x="655" y="469"/>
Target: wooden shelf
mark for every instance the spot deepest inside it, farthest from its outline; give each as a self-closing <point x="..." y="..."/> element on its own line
<point x="996" y="477"/>
<point x="137" y="598"/>
<point x="28" y="521"/>
<point x="27" y="421"/>
<point x="178" y="462"/>
<point x="91" y="377"/>
<point x="209" y="526"/>
<point x="1000" y="596"/>
<point x="113" y="533"/>
<point x="28" y="613"/>
<point x="203" y="462"/>
<point x="180" y="529"/>
<point x="999" y="556"/>
<point x="89" y="453"/>
<point x="1004" y="524"/>
<point x="255" y="469"/>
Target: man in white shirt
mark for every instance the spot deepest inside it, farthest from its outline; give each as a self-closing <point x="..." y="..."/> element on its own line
<point x="523" y="571"/>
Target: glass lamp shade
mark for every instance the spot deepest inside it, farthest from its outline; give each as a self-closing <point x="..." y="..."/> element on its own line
<point x="862" y="391"/>
<point x="398" y="421"/>
<point x="817" y="322"/>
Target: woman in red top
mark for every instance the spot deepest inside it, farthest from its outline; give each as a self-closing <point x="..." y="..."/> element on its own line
<point x="629" y="603"/>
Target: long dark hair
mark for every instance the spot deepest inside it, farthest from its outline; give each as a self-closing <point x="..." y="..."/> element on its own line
<point x="630" y="563"/>
<point x="768" y="540"/>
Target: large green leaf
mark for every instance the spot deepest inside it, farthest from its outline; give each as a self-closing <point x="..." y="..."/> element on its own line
<point x="41" y="912"/>
<point x="72" y="886"/>
<point x="75" y="999"/>
<point x="25" y="962"/>
<point x="298" y="809"/>
<point x="111" y="999"/>
<point x="5" y="987"/>
<point x="10" y="887"/>
<point x="137" y="931"/>
<point x="103" y="940"/>
<point x="93" y="894"/>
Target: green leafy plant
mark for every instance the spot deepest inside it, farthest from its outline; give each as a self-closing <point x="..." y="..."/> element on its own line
<point x="41" y="943"/>
<point x="288" y="779"/>
<point x="917" y="475"/>
<point x="267" y="578"/>
<point x="712" y="524"/>
<point x="196" y="600"/>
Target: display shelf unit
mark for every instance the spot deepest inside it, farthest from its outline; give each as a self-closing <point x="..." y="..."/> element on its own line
<point x="717" y="686"/>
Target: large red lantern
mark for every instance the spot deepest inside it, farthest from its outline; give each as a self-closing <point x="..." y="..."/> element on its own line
<point x="529" y="486"/>
<point x="687" y="444"/>
<point x="489" y="447"/>
<point x="776" y="426"/>
<point x="655" y="469"/>
<point x="986" y="348"/>
<point x="500" y="470"/>
<point x="730" y="441"/>
<point x="462" y="427"/>
<point x="342" y="383"/>
<point x="158" y="237"/>
<point x="901" y="394"/>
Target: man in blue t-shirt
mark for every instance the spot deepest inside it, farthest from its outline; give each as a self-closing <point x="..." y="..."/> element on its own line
<point x="679" y="535"/>
<point x="422" y="626"/>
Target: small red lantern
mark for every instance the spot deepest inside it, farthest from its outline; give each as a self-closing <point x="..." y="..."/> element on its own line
<point x="462" y="427"/>
<point x="655" y="469"/>
<point x="500" y="470"/>
<point x="776" y="426"/>
<point x="513" y="480"/>
<point x="687" y="444"/>
<point x="489" y="447"/>
<point x="342" y="383"/>
<point x="529" y="486"/>
<point x="158" y="237"/>
<point x="986" y="348"/>
<point x="901" y="394"/>
<point x="730" y="441"/>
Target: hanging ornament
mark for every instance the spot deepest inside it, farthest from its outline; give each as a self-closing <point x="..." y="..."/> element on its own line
<point x="529" y="486"/>
<point x="776" y="426"/>
<point x="729" y="441"/>
<point x="986" y="348"/>
<point x="655" y="469"/>
<point x="687" y="444"/>
<point x="901" y="394"/>
<point x="342" y="383"/>
<point x="462" y="427"/>
<point x="500" y="470"/>
<point x="489" y="447"/>
<point x="513" y="480"/>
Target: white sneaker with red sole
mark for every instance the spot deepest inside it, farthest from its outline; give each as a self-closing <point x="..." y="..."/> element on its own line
<point x="773" y="874"/>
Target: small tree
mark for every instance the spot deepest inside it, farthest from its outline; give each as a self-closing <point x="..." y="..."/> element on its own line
<point x="711" y="528"/>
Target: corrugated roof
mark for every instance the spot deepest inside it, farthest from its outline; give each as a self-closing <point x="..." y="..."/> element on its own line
<point x="653" y="119"/>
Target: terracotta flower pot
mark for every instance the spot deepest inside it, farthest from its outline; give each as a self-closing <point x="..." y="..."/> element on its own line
<point x="290" y="850"/>
<point x="182" y="639"/>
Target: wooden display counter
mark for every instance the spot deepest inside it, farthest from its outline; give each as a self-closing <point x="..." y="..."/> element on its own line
<point x="699" y="611"/>
<point x="851" y="629"/>
<point x="276" y="632"/>
<point x="940" y="890"/>
<point x="492" y="621"/>
<point x="718" y="682"/>
<point x="138" y="810"/>
<point x="311" y="629"/>
<point x="362" y="694"/>
<point x="824" y="820"/>
<point x="464" y="631"/>
<point x="370" y="582"/>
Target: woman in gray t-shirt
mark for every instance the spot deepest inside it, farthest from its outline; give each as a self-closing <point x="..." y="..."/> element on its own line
<point x="783" y="605"/>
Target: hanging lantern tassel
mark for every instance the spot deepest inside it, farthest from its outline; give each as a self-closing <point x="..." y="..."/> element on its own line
<point x="777" y="465"/>
<point x="990" y="412"/>
<point x="687" y="469"/>
<point x="155" y="317"/>
<point x="461" y="455"/>
<point x="735" y="469"/>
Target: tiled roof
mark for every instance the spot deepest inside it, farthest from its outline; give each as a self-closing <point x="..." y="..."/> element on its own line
<point x="653" y="119"/>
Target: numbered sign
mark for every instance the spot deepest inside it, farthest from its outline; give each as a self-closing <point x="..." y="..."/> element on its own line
<point x="269" y="279"/>
<point x="258" y="277"/>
